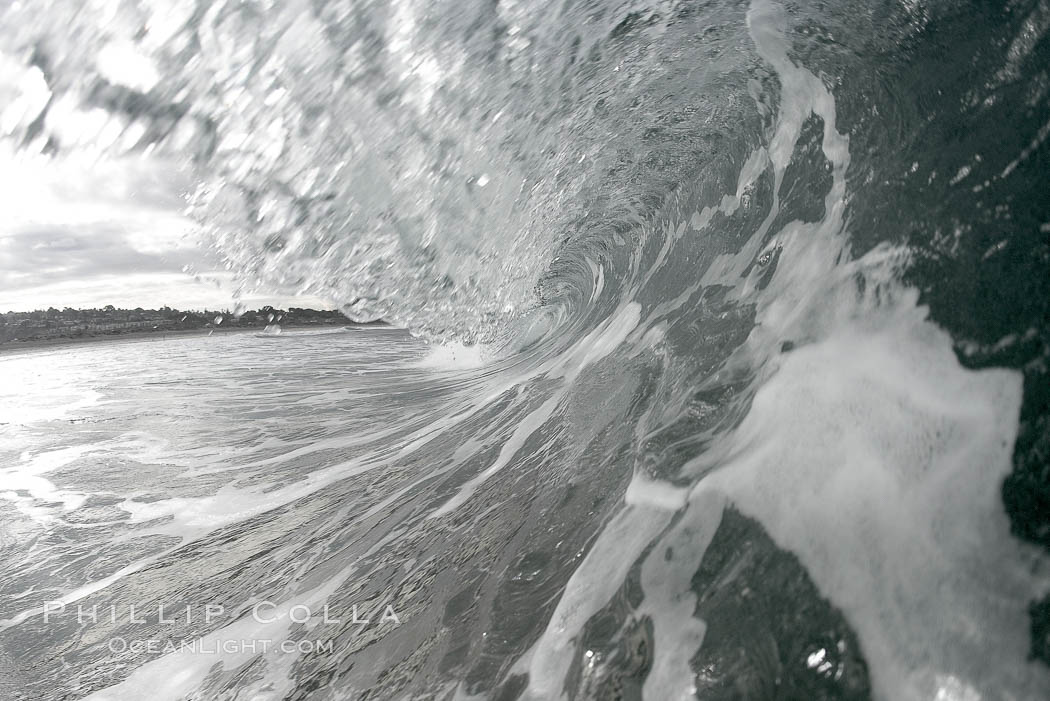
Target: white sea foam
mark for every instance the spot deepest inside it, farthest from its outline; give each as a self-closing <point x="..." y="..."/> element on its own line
<point x="455" y="356"/>
<point x="868" y="451"/>
<point x="877" y="459"/>
<point x="592" y="584"/>
<point x="28" y="477"/>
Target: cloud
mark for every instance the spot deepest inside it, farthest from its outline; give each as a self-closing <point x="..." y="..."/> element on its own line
<point x="38" y="256"/>
<point x="86" y="233"/>
<point x="147" y="290"/>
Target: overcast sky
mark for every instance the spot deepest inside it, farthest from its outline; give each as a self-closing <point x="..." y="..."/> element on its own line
<point x="77" y="233"/>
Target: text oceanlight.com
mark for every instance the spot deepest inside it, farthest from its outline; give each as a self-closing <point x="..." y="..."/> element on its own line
<point x="152" y="646"/>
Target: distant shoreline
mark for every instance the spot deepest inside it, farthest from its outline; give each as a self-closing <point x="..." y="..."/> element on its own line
<point x="159" y="335"/>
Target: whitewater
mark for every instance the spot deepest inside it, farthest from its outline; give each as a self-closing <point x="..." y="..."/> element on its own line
<point x="719" y="368"/>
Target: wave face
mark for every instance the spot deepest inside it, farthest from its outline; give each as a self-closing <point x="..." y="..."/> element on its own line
<point x="740" y="389"/>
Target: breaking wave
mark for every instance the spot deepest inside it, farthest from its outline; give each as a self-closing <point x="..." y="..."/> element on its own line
<point x="766" y="284"/>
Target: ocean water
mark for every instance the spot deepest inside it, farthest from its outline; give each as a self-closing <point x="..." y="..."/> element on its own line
<point x="720" y="369"/>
